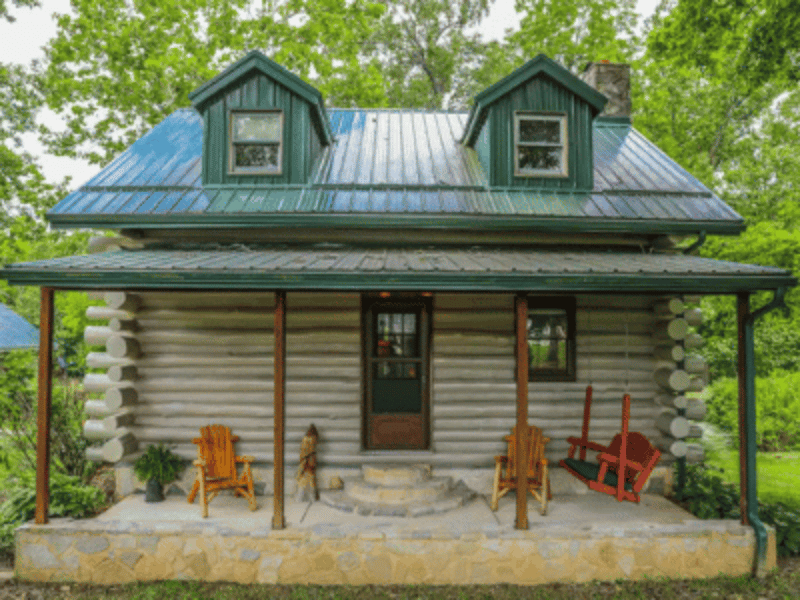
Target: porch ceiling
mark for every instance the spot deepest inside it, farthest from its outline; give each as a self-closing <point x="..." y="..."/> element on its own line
<point x="436" y="269"/>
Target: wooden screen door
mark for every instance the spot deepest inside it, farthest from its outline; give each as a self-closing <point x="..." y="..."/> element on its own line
<point x="396" y="373"/>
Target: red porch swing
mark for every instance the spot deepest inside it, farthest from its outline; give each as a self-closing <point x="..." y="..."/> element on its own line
<point x="622" y="467"/>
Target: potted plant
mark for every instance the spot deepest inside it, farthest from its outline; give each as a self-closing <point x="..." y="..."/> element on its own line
<point x="157" y="466"/>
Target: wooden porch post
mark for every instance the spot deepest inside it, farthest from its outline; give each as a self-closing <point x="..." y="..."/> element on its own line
<point x="522" y="411"/>
<point x="279" y="417"/>
<point x="45" y="404"/>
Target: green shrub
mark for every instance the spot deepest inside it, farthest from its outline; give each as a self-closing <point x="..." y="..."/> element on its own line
<point x="69" y="497"/>
<point x="708" y="497"/>
<point x="18" y="411"/>
<point x="786" y="521"/>
<point x="777" y="407"/>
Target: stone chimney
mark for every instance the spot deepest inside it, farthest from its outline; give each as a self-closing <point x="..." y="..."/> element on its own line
<point x="614" y="81"/>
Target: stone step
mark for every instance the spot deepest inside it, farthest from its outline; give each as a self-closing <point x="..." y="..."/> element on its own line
<point x="423" y="491"/>
<point x="396" y="475"/>
<point x="455" y="497"/>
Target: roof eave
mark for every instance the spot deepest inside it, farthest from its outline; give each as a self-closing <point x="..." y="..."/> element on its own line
<point x="251" y="220"/>
<point x="432" y="281"/>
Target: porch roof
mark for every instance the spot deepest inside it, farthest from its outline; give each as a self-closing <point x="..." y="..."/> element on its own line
<point x="237" y="266"/>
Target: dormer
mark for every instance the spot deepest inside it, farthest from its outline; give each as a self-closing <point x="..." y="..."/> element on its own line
<point x="533" y="129"/>
<point x="262" y="125"/>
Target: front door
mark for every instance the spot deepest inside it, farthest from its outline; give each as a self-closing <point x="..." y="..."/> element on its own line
<point x="396" y="374"/>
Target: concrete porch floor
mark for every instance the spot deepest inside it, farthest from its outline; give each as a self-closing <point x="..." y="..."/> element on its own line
<point x="583" y="537"/>
<point x="574" y="511"/>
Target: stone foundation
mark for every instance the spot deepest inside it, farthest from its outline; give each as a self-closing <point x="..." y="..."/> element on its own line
<point x="116" y="551"/>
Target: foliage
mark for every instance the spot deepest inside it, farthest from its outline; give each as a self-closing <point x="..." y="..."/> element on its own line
<point x="427" y="55"/>
<point x="731" y="37"/>
<point x="575" y="33"/>
<point x="777" y="426"/>
<point x="703" y="83"/>
<point x="707" y="496"/>
<point x="761" y="177"/>
<point x="114" y="73"/>
<point x="27" y="238"/>
<point x="159" y="463"/>
<point x="69" y="497"/>
<point x="18" y="406"/>
<point x="776" y="341"/>
<point x="786" y="521"/>
<point x="6" y="14"/>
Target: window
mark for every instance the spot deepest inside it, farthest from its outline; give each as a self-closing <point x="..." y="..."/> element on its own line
<point x="255" y="143"/>
<point x="551" y="339"/>
<point x="540" y="145"/>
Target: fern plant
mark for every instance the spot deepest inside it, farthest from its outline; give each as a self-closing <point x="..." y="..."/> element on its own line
<point x="158" y="463"/>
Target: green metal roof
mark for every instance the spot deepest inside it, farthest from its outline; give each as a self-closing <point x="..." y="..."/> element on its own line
<point x="431" y="269"/>
<point x="395" y="168"/>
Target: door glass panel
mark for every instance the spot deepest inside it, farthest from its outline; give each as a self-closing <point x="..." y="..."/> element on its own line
<point x="396" y="368"/>
<point x="396" y="335"/>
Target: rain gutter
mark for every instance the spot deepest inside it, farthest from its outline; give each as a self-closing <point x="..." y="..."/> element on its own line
<point x="747" y="421"/>
<point x="701" y="239"/>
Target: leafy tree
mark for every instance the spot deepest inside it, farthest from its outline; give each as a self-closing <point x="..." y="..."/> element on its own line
<point x="761" y="178"/>
<point x="6" y="14"/>
<point x="726" y="107"/>
<point x="754" y="41"/>
<point x="777" y="343"/>
<point x="575" y="33"/>
<point x="116" y="69"/>
<point x="710" y="69"/>
<point x="426" y="52"/>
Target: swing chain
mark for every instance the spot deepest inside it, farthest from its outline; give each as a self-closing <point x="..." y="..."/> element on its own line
<point x="627" y="360"/>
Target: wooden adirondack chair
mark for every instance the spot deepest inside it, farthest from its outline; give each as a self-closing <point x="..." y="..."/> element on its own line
<point x="623" y="466"/>
<point x="216" y="467"/>
<point x="506" y="470"/>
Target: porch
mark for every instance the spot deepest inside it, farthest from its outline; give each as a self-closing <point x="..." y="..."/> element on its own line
<point x="583" y="537"/>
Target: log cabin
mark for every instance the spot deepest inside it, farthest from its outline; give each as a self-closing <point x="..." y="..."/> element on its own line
<point x="412" y="282"/>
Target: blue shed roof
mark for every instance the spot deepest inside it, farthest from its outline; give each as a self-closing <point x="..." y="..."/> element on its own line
<point x="15" y="332"/>
<point x="394" y="167"/>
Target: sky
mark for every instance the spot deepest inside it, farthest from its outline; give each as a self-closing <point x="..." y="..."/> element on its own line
<point x="22" y="41"/>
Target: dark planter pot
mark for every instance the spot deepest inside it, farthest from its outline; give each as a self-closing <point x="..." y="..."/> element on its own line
<point x="154" y="491"/>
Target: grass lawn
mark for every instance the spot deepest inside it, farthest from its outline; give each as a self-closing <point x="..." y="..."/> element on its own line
<point x="783" y="584"/>
<point x="777" y="473"/>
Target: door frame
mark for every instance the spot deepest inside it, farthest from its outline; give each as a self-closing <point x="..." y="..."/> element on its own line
<point x="418" y="300"/>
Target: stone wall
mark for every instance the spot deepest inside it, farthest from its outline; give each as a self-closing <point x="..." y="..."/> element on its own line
<point x="114" y="552"/>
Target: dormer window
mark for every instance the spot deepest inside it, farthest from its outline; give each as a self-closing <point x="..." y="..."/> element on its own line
<point x="256" y="142"/>
<point x="540" y="145"/>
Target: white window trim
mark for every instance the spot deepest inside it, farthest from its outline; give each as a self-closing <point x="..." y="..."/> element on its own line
<point x="232" y="170"/>
<point x="562" y="119"/>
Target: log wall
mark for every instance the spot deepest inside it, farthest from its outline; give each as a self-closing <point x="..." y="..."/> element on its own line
<point x="201" y="358"/>
<point x="474" y="389"/>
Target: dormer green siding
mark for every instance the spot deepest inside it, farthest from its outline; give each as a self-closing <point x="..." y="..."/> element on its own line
<point x="256" y="83"/>
<point x="301" y="143"/>
<point x="554" y="110"/>
<point x="495" y="143"/>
